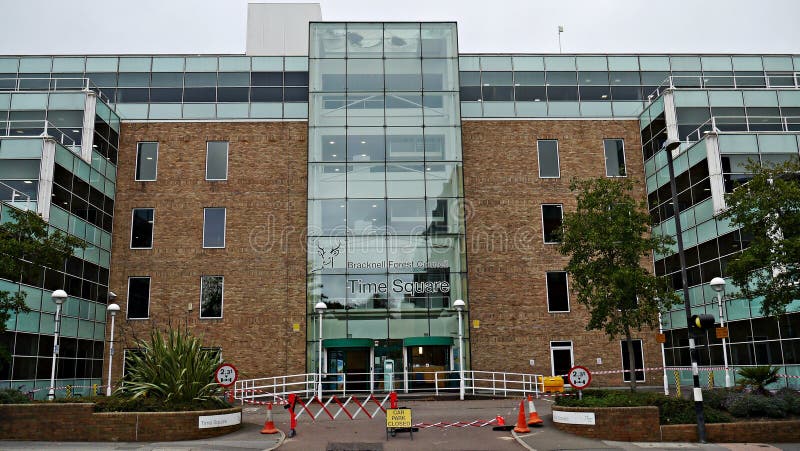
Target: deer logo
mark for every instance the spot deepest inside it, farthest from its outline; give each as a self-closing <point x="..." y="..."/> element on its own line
<point x="327" y="256"/>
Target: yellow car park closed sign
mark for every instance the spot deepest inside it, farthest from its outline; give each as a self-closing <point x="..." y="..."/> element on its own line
<point x="398" y="418"/>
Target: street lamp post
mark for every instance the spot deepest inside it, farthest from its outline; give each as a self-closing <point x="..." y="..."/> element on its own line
<point x="112" y="309"/>
<point x="459" y="305"/>
<point x="718" y="284"/>
<point x="58" y="296"/>
<point x="669" y="146"/>
<point x="320" y="308"/>
<point x="663" y="357"/>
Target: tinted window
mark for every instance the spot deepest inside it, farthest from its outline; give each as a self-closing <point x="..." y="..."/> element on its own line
<point x="214" y="227"/>
<point x="138" y="297"/>
<point x="557" y="297"/>
<point x="142" y="228"/>
<point x="548" y="158"/>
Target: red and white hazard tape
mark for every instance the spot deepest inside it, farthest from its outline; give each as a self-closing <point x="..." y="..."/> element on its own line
<point x="458" y="424"/>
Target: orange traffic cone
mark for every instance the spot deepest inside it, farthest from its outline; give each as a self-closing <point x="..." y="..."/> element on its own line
<point x="522" y="427"/>
<point x="533" y="418"/>
<point x="269" y="425"/>
<point x="500" y="421"/>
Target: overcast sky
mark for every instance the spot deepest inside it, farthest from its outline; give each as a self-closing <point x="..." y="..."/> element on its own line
<point x="495" y="26"/>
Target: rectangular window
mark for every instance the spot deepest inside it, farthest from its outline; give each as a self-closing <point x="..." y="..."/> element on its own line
<point x="557" y="292"/>
<point x="615" y="157"/>
<point x="561" y="358"/>
<point x="214" y="227"/>
<point x="138" y="297"/>
<point x="211" y="297"/>
<point x="551" y="222"/>
<point x="146" y="161"/>
<point x="217" y="160"/>
<point x="142" y="228"/>
<point x="638" y="360"/>
<point x="548" y="158"/>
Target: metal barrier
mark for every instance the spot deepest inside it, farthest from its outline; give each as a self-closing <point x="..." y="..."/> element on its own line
<point x="11" y="84"/>
<point x="39" y="128"/>
<point x="14" y="197"/>
<point x="770" y="81"/>
<point x="486" y="383"/>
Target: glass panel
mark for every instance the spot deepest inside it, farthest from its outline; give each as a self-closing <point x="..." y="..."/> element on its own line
<point x="439" y="40"/>
<point x="134" y="64"/>
<point x="364" y="75"/>
<point x="167" y="64"/>
<point x="138" y="297"/>
<point x="217" y="160"/>
<point x="146" y="161"/>
<point x="365" y="40"/>
<point x="405" y="180"/>
<point x="211" y="294"/>
<point x="403" y="75"/>
<point x="366" y="180"/>
<point x="214" y="227"/>
<point x="327" y="217"/>
<point x="402" y="40"/>
<point x="443" y="179"/>
<point x="548" y="158"/>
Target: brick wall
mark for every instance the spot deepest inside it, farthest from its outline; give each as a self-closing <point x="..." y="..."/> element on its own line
<point x="628" y="424"/>
<point x="78" y="422"/>
<point x="264" y="257"/>
<point x="740" y="432"/>
<point x="506" y="251"/>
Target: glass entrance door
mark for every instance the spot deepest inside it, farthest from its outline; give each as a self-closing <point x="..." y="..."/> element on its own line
<point x="423" y="364"/>
<point x="351" y="365"/>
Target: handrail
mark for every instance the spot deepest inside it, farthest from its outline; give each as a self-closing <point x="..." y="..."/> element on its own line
<point x="67" y="83"/>
<point x="718" y="124"/>
<point x="40" y="128"/>
<point x="707" y="82"/>
<point x="13" y="195"/>
<point x="494" y="383"/>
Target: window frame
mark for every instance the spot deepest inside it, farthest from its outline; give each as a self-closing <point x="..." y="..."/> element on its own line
<point x="153" y="228"/>
<point x="136" y="164"/>
<point x="547" y="292"/>
<point x="624" y="157"/>
<point x="221" y="300"/>
<point x="128" y="297"/>
<point x="623" y="351"/>
<point x="539" y="159"/>
<point x="571" y="348"/>
<point x="544" y="236"/>
<point x="224" y="227"/>
<point x="227" y="155"/>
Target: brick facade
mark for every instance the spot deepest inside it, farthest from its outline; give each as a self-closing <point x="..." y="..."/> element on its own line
<point x="506" y="252"/>
<point x="263" y="261"/>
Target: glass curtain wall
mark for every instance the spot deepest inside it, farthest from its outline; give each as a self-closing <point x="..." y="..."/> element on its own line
<point x="385" y="199"/>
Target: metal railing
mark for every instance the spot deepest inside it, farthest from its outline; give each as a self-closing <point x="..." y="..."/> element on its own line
<point x="14" y="197"/>
<point x="745" y="124"/>
<point x="39" y="128"/>
<point x="487" y="383"/>
<point x="721" y="82"/>
<point x="51" y="84"/>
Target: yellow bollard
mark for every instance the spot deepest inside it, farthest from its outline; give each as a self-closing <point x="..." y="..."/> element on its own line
<point x="94" y="389"/>
<point x="677" y="384"/>
<point x="69" y="391"/>
<point x="710" y="379"/>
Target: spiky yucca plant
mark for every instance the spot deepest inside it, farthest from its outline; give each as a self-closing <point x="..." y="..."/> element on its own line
<point x="172" y="367"/>
<point x="758" y="377"/>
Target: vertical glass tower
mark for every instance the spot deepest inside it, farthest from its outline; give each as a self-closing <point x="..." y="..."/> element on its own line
<point x="386" y="246"/>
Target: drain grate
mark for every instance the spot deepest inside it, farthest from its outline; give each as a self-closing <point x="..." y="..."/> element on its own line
<point x="354" y="447"/>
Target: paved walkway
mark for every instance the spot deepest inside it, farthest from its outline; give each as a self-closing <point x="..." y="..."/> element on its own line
<point x="369" y="434"/>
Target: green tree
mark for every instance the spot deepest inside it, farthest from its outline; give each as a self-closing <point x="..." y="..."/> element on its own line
<point x="609" y="243"/>
<point x="768" y="209"/>
<point x="26" y="245"/>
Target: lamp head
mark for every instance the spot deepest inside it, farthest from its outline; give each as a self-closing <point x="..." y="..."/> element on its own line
<point x="320" y="307"/>
<point x="717" y="283"/>
<point x="459" y="304"/>
<point x="113" y="309"/>
<point x="111" y="296"/>
<point x="59" y="296"/>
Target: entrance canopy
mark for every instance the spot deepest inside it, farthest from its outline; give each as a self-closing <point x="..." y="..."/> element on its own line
<point x="428" y="341"/>
<point x="348" y="343"/>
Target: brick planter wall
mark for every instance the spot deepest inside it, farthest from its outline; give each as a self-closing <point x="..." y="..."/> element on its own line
<point x="79" y="422"/>
<point x="630" y="424"/>
<point x="776" y="431"/>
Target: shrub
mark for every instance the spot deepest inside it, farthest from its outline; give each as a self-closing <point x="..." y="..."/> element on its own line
<point x="172" y="369"/>
<point x="11" y="396"/>
<point x="758" y="377"/>
<point x="144" y="404"/>
<point x="755" y="405"/>
<point x="792" y="399"/>
<point x="718" y="397"/>
<point x="671" y="410"/>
